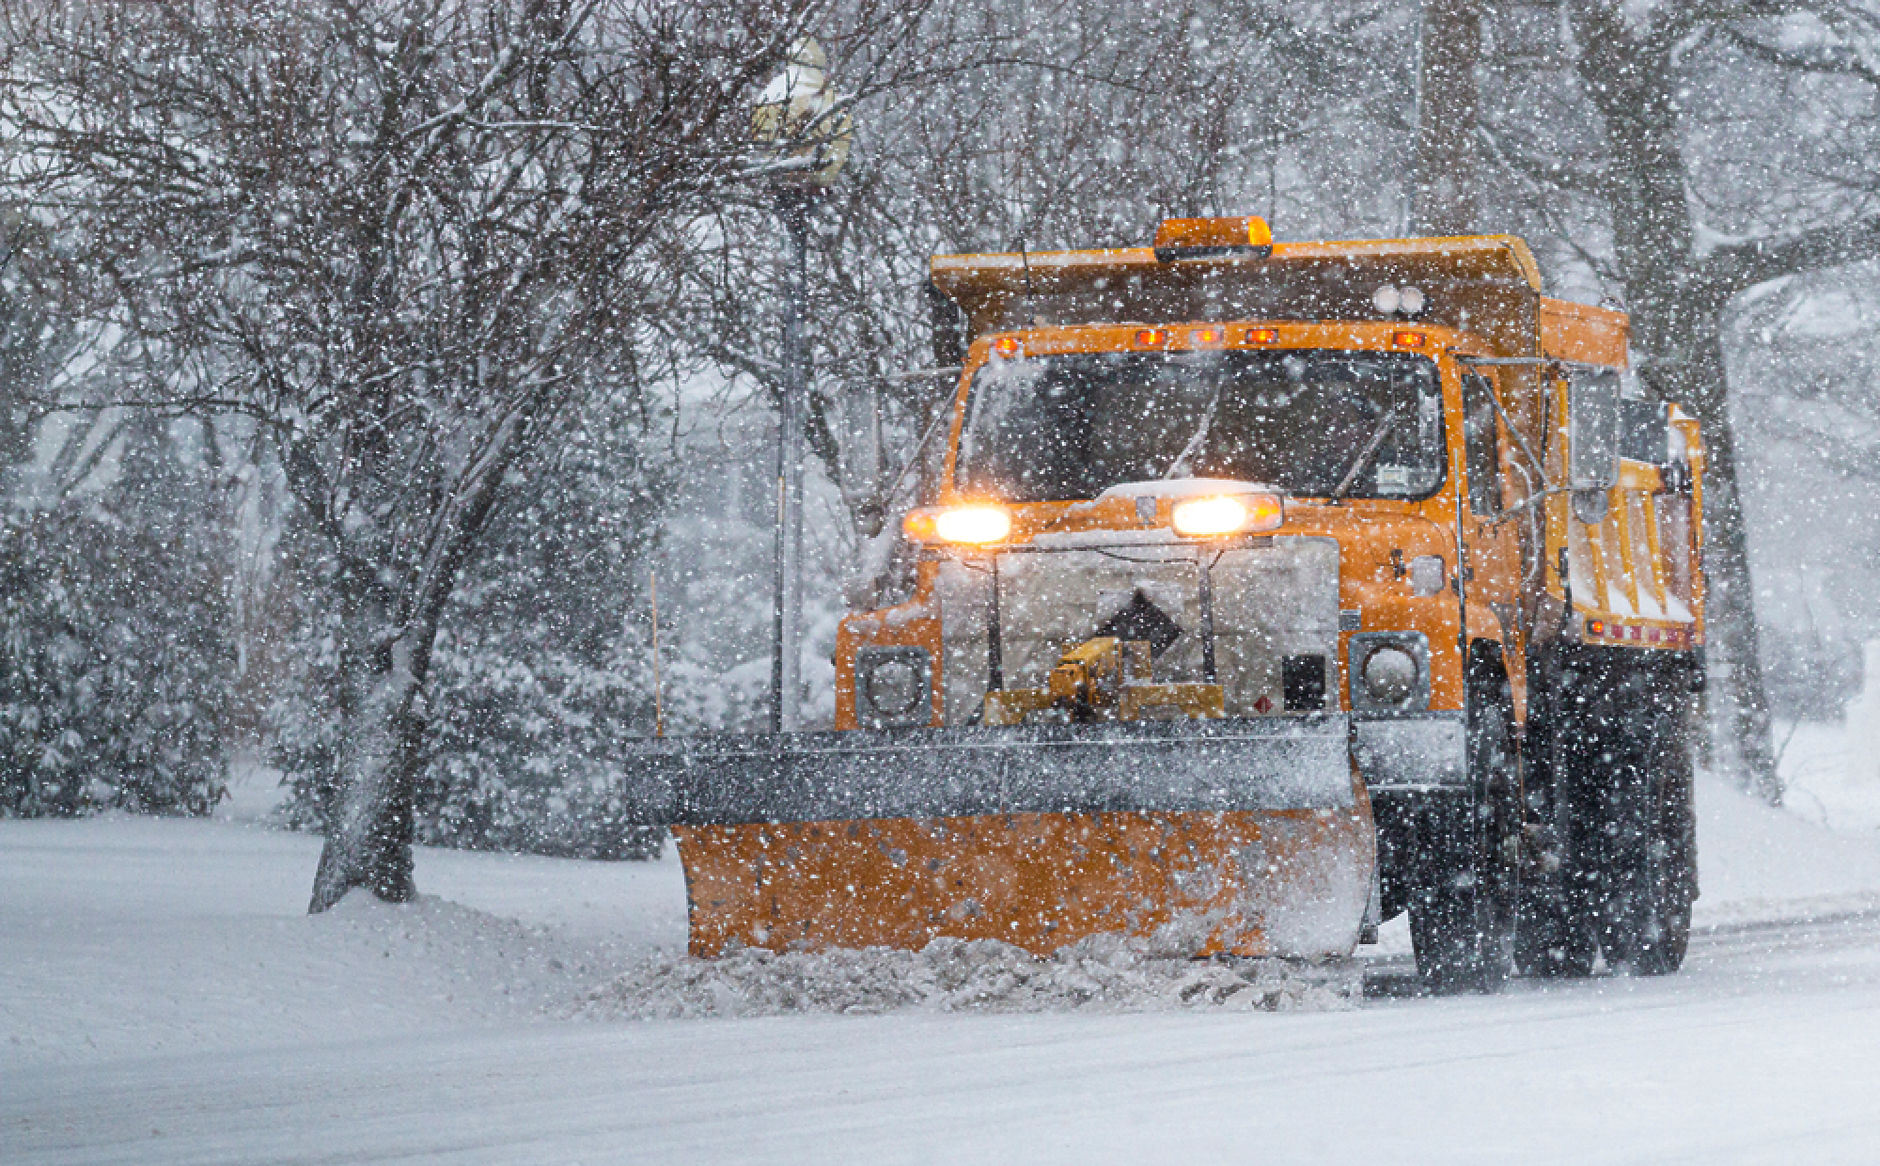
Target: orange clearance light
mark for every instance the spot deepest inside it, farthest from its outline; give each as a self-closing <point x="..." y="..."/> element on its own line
<point x="1202" y="337"/>
<point x="1595" y="627"/>
<point x="1152" y="338"/>
<point x="919" y="526"/>
<point x="1222" y="514"/>
<point x="1006" y="346"/>
<point x="1262" y="335"/>
<point x="1247" y="236"/>
<point x="972" y="524"/>
<point x="1409" y="339"/>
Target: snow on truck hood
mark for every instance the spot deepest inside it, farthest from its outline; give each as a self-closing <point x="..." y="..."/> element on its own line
<point x="1183" y="488"/>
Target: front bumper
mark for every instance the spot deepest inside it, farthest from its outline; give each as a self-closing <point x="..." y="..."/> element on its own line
<point x="1411" y="751"/>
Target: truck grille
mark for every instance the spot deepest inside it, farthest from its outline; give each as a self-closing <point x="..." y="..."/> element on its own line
<point x="1275" y="604"/>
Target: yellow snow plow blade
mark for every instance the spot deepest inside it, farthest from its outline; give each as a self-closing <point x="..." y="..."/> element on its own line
<point x="1245" y="837"/>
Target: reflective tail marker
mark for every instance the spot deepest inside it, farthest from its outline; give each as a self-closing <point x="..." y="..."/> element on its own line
<point x="1611" y="632"/>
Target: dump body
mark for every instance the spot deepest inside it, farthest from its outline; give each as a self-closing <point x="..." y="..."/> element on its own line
<point x="1087" y="717"/>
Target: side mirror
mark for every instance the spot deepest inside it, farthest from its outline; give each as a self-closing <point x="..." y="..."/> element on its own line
<point x="1593" y="429"/>
<point x="1645" y="431"/>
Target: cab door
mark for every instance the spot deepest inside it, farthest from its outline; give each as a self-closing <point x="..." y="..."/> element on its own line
<point x="1491" y="573"/>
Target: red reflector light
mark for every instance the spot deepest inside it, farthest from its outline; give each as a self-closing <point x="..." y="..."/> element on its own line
<point x="1152" y="338"/>
<point x="1006" y="346"/>
<point x="1202" y="336"/>
<point x="1262" y="335"/>
<point x="1409" y="339"/>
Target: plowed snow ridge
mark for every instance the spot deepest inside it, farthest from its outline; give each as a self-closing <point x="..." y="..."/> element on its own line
<point x="1101" y="974"/>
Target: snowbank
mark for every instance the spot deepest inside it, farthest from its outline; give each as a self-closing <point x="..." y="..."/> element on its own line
<point x="1832" y="772"/>
<point x="136" y="936"/>
<point x="1757" y="862"/>
<point x="1103" y="973"/>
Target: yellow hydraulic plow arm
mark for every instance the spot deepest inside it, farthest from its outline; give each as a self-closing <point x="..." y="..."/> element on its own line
<point x="1104" y="679"/>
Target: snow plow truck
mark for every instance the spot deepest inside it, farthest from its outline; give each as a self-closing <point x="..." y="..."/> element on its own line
<point x="1267" y="592"/>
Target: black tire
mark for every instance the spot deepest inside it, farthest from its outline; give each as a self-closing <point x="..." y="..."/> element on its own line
<point x="1553" y="934"/>
<point x="1465" y="880"/>
<point x="1647" y="865"/>
<point x="1552" y="941"/>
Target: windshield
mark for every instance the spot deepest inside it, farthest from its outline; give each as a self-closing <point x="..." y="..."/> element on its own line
<point x="1043" y="428"/>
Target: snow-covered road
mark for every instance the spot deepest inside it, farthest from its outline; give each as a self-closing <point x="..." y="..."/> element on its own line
<point x="162" y="999"/>
<point x="1762" y="1052"/>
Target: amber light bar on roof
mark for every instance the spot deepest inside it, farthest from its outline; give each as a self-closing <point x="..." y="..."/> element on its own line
<point x="1212" y="238"/>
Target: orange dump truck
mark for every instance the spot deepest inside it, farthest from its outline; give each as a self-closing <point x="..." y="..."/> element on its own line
<point x="1271" y="591"/>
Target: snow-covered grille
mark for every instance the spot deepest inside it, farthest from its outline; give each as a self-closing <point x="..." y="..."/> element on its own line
<point x="1272" y="599"/>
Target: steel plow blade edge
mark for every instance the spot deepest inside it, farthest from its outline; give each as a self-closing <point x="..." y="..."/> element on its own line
<point x="1293" y="763"/>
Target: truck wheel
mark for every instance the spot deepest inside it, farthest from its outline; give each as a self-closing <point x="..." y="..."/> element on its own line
<point x="1550" y="943"/>
<point x="1648" y="866"/>
<point x="1463" y="901"/>
<point x="1553" y="934"/>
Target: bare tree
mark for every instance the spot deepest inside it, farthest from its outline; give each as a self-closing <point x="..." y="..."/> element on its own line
<point x="403" y="235"/>
<point x="1070" y="124"/>
<point x="1671" y="127"/>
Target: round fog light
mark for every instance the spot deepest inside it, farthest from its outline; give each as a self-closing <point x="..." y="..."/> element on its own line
<point x="892" y="687"/>
<point x="1390" y="675"/>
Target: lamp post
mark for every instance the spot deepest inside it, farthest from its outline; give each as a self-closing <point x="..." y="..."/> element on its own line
<point x="803" y="139"/>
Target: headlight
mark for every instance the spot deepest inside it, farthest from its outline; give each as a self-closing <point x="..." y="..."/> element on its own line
<point x="1390" y="671"/>
<point x="1222" y="514"/>
<point x="1390" y="676"/>
<point x="959" y="524"/>
<point x="972" y="524"/>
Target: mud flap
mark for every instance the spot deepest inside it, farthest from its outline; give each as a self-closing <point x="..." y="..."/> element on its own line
<point x="1242" y="836"/>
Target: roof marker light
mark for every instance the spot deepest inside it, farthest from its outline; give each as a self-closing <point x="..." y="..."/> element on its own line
<point x="1409" y="339"/>
<point x="1262" y="335"/>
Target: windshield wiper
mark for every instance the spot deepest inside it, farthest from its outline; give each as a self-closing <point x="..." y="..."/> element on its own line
<point x="1194" y="443"/>
<point x="1364" y="455"/>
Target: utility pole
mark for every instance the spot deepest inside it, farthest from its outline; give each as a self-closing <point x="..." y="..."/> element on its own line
<point x="1444" y="192"/>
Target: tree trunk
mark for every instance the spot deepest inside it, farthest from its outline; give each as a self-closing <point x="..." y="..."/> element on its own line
<point x="369" y="834"/>
<point x="1443" y="201"/>
<point x="1675" y="330"/>
<point x="1730" y="607"/>
<point x="1691" y="372"/>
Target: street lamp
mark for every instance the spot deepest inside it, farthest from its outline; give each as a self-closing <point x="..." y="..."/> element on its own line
<point x="802" y="134"/>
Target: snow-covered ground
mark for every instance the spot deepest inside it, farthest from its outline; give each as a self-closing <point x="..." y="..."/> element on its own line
<point x="164" y="998"/>
<point x="1832" y="773"/>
